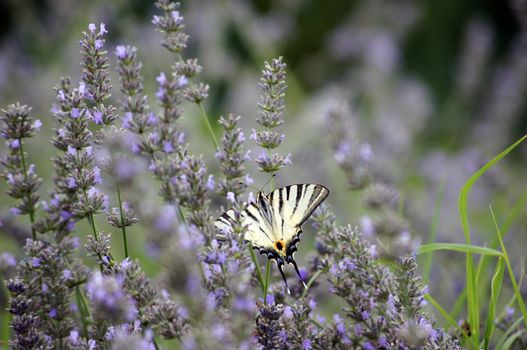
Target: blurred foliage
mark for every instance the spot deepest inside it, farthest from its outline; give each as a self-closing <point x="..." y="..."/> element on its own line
<point x="39" y="43"/>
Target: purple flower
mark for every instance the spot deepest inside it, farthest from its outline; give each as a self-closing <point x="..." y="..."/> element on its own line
<point x="368" y="346"/>
<point x="248" y="180"/>
<point x="253" y="134"/>
<point x="120" y="52"/>
<point x="136" y="149"/>
<point x="288" y="312"/>
<point x="127" y="119"/>
<point x="306" y="344"/>
<point x="35" y="262"/>
<point x="312" y="304"/>
<point x="14" y="144"/>
<point x="82" y="88"/>
<point x="247" y="155"/>
<point x="97" y="117"/>
<point x="37" y="124"/>
<point x="270" y="299"/>
<point x="210" y="183"/>
<point x="55" y="201"/>
<point x="71" y="182"/>
<point x="152" y="120"/>
<point x="71" y="150"/>
<point x="109" y="299"/>
<point x="167" y="147"/>
<point x="52" y="313"/>
<point x="99" y="43"/>
<point x="283" y="335"/>
<point x="366" y="226"/>
<point x="102" y="29"/>
<point x="10" y="179"/>
<point x="182" y="81"/>
<point x="65" y="215"/>
<point x="287" y="159"/>
<point x="97" y="175"/>
<point x="92" y="192"/>
<point x="75" y="113"/>
<point x="383" y="341"/>
<point x="15" y="211"/>
<point x="61" y="96"/>
<point x="176" y="17"/>
<point x="358" y="329"/>
<point x="231" y="197"/>
<point x="7" y="259"/>
<point x="74" y="336"/>
<point x="365" y="152"/>
<point x="92" y="27"/>
<point x="243" y="304"/>
<point x="373" y="251"/>
<point x="161" y="78"/>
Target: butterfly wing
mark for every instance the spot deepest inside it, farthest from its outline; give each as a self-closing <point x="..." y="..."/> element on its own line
<point x="258" y="228"/>
<point x="291" y="207"/>
<point x="274" y="221"/>
<point x="294" y="204"/>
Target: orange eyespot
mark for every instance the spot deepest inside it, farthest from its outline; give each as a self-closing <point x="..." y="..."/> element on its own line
<point x="280" y="245"/>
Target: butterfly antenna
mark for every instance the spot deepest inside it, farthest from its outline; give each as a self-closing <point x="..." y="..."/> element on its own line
<point x="267" y="183"/>
<point x="283" y="276"/>
<point x="292" y="261"/>
<point x="256" y="188"/>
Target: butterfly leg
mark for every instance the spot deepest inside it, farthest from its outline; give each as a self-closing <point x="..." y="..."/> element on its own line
<point x="280" y="264"/>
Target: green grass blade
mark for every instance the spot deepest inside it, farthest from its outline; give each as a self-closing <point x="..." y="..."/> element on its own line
<point x="507" y="345"/>
<point x="464" y="248"/>
<point x="516" y="209"/>
<point x="505" y="336"/>
<point x="427" y="266"/>
<point x="472" y="296"/>
<point x="495" y="288"/>
<point x="516" y="288"/>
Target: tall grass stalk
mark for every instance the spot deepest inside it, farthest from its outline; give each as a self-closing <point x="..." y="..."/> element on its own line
<point x="472" y="292"/>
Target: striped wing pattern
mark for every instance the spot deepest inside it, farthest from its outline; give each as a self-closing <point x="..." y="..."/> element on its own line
<point x="274" y="221"/>
<point x="278" y="215"/>
<point x="294" y="204"/>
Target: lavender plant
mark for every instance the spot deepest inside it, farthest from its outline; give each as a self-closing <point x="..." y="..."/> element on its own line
<point x="211" y="291"/>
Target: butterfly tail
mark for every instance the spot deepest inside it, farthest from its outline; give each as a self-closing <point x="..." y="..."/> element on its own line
<point x="283" y="276"/>
<point x="292" y="261"/>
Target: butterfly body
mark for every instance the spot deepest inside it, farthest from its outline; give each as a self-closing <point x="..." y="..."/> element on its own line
<point x="274" y="221"/>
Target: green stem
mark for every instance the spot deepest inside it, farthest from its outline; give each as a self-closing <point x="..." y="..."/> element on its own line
<point x="155" y="343"/>
<point x="81" y="304"/>
<point x="123" y="228"/>
<point x="309" y="283"/>
<point x="267" y="275"/>
<point x="202" y="111"/>
<point x="207" y="122"/>
<point x="32" y="207"/>
<point x="257" y="267"/>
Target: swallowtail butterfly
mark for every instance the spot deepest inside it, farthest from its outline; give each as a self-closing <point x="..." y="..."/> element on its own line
<point x="274" y="221"/>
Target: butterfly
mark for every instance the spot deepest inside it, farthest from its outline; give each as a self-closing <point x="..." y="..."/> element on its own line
<point x="274" y="221"/>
